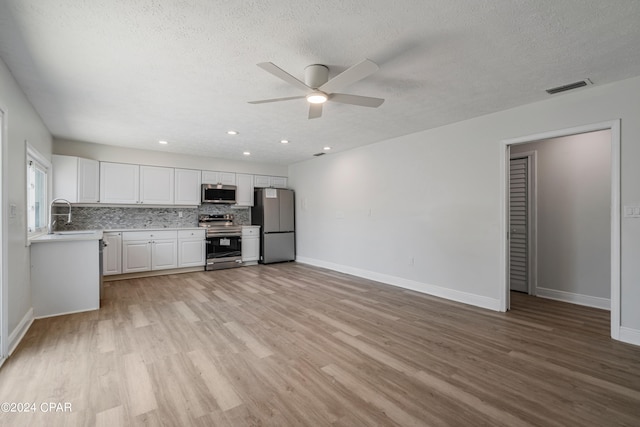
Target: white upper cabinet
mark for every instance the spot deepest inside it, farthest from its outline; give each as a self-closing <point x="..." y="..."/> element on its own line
<point x="213" y="177"/>
<point x="187" y="190"/>
<point x="244" y="190"/>
<point x="156" y="185"/>
<point x="76" y="179"/>
<point x="119" y="183"/>
<point x="278" y="181"/>
<point x="263" y="181"/>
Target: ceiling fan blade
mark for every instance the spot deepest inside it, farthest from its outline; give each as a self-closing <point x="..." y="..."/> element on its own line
<point x="264" y="101"/>
<point x="315" y="111"/>
<point x="363" y="101"/>
<point x="350" y="75"/>
<point x="272" y="68"/>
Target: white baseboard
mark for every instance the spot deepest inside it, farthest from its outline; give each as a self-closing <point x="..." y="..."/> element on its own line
<point x="46" y="316"/>
<point x="589" y="301"/>
<point x="20" y="331"/>
<point x="438" y="291"/>
<point x="630" y="336"/>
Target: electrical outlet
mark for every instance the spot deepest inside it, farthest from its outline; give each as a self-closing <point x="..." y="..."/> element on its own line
<point x="13" y="210"/>
<point x="179" y="214"/>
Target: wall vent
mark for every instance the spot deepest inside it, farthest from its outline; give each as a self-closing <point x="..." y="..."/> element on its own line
<point x="319" y="154"/>
<point x="570" y="86"/>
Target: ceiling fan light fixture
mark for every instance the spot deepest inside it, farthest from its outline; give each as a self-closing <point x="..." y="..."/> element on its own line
<point x="317" y="97"/>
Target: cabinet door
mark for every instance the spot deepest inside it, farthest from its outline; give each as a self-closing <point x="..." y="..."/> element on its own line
<point x="136" y="256"/>
<point x="278" y="182"/>
<point x="112" y="253"/>
<point x="214" y="177"/>
<point x="65" y="177"/>
<point x="250" y="249"/>
<point x="187" y="187"/>
<point x="261" y="181"/>
<point x="244" y="191"/>
<point x="164" y="254"/>
<point x="88" y="181"/>
<point x="156" y="185"/>
<point x="191" y="252"/>
<point x="209" y="177"/>
<point x="119" y="183"/>
<point x="227" y="178"/>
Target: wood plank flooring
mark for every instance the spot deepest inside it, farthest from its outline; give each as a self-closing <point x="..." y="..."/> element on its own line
<point x="294" y="345"/>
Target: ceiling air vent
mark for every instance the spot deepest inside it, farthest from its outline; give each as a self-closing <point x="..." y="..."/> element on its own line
<point x="570" y="86"/>
<point x="319" y="154"/>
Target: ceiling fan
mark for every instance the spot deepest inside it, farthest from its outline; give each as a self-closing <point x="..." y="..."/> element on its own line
<point x="320" y="89"/>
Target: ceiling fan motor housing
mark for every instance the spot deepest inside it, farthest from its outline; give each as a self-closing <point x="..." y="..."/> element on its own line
<point x="316" y="75"/>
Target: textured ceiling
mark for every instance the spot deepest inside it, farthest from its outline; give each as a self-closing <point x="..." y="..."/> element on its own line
<point x="129" y="73"/>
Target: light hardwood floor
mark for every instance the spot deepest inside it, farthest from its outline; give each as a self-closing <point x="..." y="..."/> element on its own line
<point x="293" y="345"/>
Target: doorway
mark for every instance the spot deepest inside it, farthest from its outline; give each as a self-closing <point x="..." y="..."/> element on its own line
<point x="522" y="222"/>
<point x="613" y="233"/>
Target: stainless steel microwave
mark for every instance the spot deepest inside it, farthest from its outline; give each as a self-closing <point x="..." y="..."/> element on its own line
<point x="218" y="193"/>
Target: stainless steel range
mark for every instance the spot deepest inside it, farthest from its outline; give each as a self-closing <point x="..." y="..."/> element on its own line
<point x="224" y="241"/>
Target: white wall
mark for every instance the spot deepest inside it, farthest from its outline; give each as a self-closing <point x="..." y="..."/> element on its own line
<point x="435" y="197"/>
<point x="573" y="213"/>
<point x="23" y="124"/>
<point x="109" y="153"/>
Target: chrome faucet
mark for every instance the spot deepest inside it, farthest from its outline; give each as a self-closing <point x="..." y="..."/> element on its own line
<point x="51" y="214"/>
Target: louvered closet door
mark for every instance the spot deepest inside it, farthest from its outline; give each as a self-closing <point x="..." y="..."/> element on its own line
<point x="518" y="225"/>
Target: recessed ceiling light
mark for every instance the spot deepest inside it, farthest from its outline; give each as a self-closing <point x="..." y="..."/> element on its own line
<point x="327" y="148"/>
<point x="246" y="153"/>
<point x="232" y="132"/>
<point x="284" y="141"/>
<point x="163" y="142"/>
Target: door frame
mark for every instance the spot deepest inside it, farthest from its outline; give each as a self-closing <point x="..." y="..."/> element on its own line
<point x="532" y="224"/>
<point x="4" y="213"/>
<point x="505" y="157"/>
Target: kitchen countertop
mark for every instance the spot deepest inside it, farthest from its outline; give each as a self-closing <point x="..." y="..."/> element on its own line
<point x="68" y="236"/>
<point x="119" y="230"/>
<point x="73" y="235"/>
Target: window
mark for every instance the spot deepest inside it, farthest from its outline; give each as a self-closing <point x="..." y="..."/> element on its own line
<point x="37" y="192"/>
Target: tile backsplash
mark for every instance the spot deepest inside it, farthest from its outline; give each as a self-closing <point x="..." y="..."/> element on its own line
<point x="110" y="218"/>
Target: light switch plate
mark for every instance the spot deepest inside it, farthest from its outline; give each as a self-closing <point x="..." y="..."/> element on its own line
<point x="632" y="211"/>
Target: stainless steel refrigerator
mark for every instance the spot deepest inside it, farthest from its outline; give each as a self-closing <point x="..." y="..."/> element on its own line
<point x="273" y="211"/>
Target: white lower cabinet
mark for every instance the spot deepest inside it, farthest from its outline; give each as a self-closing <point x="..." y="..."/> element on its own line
<point x="191" y="248"/>
<point x="250" y="244"/>
<point x="136" y="256"/>
<point x="149" y="250"/>
<point x="112" y="253"/>
<point x="164" y="254"/>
